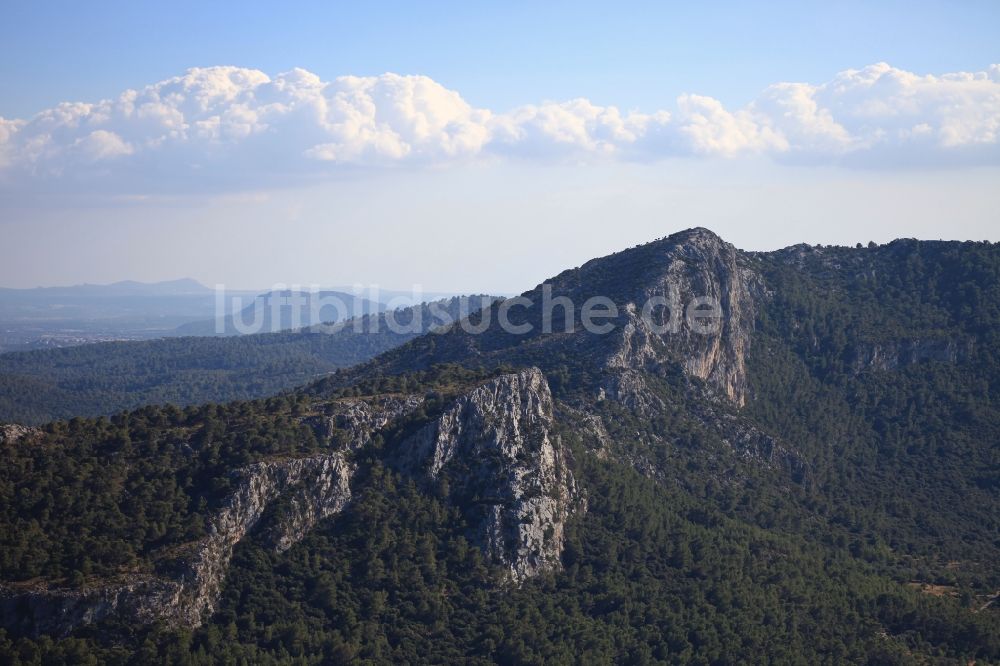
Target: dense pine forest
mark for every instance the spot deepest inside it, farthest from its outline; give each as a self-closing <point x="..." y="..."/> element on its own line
<point x="101" y="379"/>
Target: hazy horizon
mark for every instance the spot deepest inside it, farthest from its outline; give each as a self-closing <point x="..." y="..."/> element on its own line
<point x="348" y="287"/>
<point x="463" y="151"/>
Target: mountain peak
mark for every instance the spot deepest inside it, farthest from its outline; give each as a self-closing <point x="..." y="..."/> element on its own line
<point x="696" y="240"/>
<point x="695" y="234"/>
<point x="693" y="268"/>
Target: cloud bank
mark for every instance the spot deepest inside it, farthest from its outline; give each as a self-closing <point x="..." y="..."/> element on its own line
<point x="228" y="125"/>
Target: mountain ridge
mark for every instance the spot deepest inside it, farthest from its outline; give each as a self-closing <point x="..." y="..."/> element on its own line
<point x="783" y="482"/>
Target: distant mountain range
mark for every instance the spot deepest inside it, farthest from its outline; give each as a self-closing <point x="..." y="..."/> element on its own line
<point x="282" y="310"/>
<point x="47" y="317"/>
<point x="183" y="286"/>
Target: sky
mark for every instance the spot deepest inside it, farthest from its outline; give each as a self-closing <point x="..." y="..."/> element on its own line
<point x="475" y="147"/>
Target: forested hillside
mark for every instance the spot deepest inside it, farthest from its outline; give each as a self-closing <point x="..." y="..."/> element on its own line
<point x="814" y="482"/>
<point x="102" y="379"/>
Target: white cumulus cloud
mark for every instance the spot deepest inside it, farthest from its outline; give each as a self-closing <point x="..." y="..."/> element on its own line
<point x="219" y="126"/>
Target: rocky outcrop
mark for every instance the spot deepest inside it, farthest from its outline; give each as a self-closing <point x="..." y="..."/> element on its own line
<point x="320" y="493"/>
<point x="35" y="610"/>
<point x="494" y="450"/>
<point x="651" y="303"/>
<point x="351" y="422"/>
<point x="11" y="433"/>
<point x="319" y="487"/>
<point x="493" y="444"/>
<point x="894" y="354"/>
<point x="699" y="275"/>
<point x="632" y="389"/>
<point x="628" y="387"/>
<point x="588" y="427"/>
<point x="755" y="446"/>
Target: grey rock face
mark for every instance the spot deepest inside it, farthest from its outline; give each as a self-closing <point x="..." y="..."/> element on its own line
<point x="494" y="444"/>
<point x="629" y="388"/>
<point x="697" y="267"/>
<point x="319" y="486"/>
<point x="59" y="611"/>
<point x="894" y="354"/>
<point x="495" y="449"/>
<point x="359" y="419"/>
<point x="753" y="445"/>
<point x="11" y="433"/>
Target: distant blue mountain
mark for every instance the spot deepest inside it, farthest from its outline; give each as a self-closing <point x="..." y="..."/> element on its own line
<point x="282" y="310"/>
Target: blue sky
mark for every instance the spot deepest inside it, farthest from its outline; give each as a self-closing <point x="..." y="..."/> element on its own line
<point x="499" y="55"/>
<point x="546" y="133"/>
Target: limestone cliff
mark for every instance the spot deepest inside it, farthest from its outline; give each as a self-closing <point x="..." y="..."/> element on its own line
<point x="495" y="449"/>
<point x="696" y="271"/>
<point x="320" y="488"/>
<point x="493" y="443"/>
<point x="353" y="421"/>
